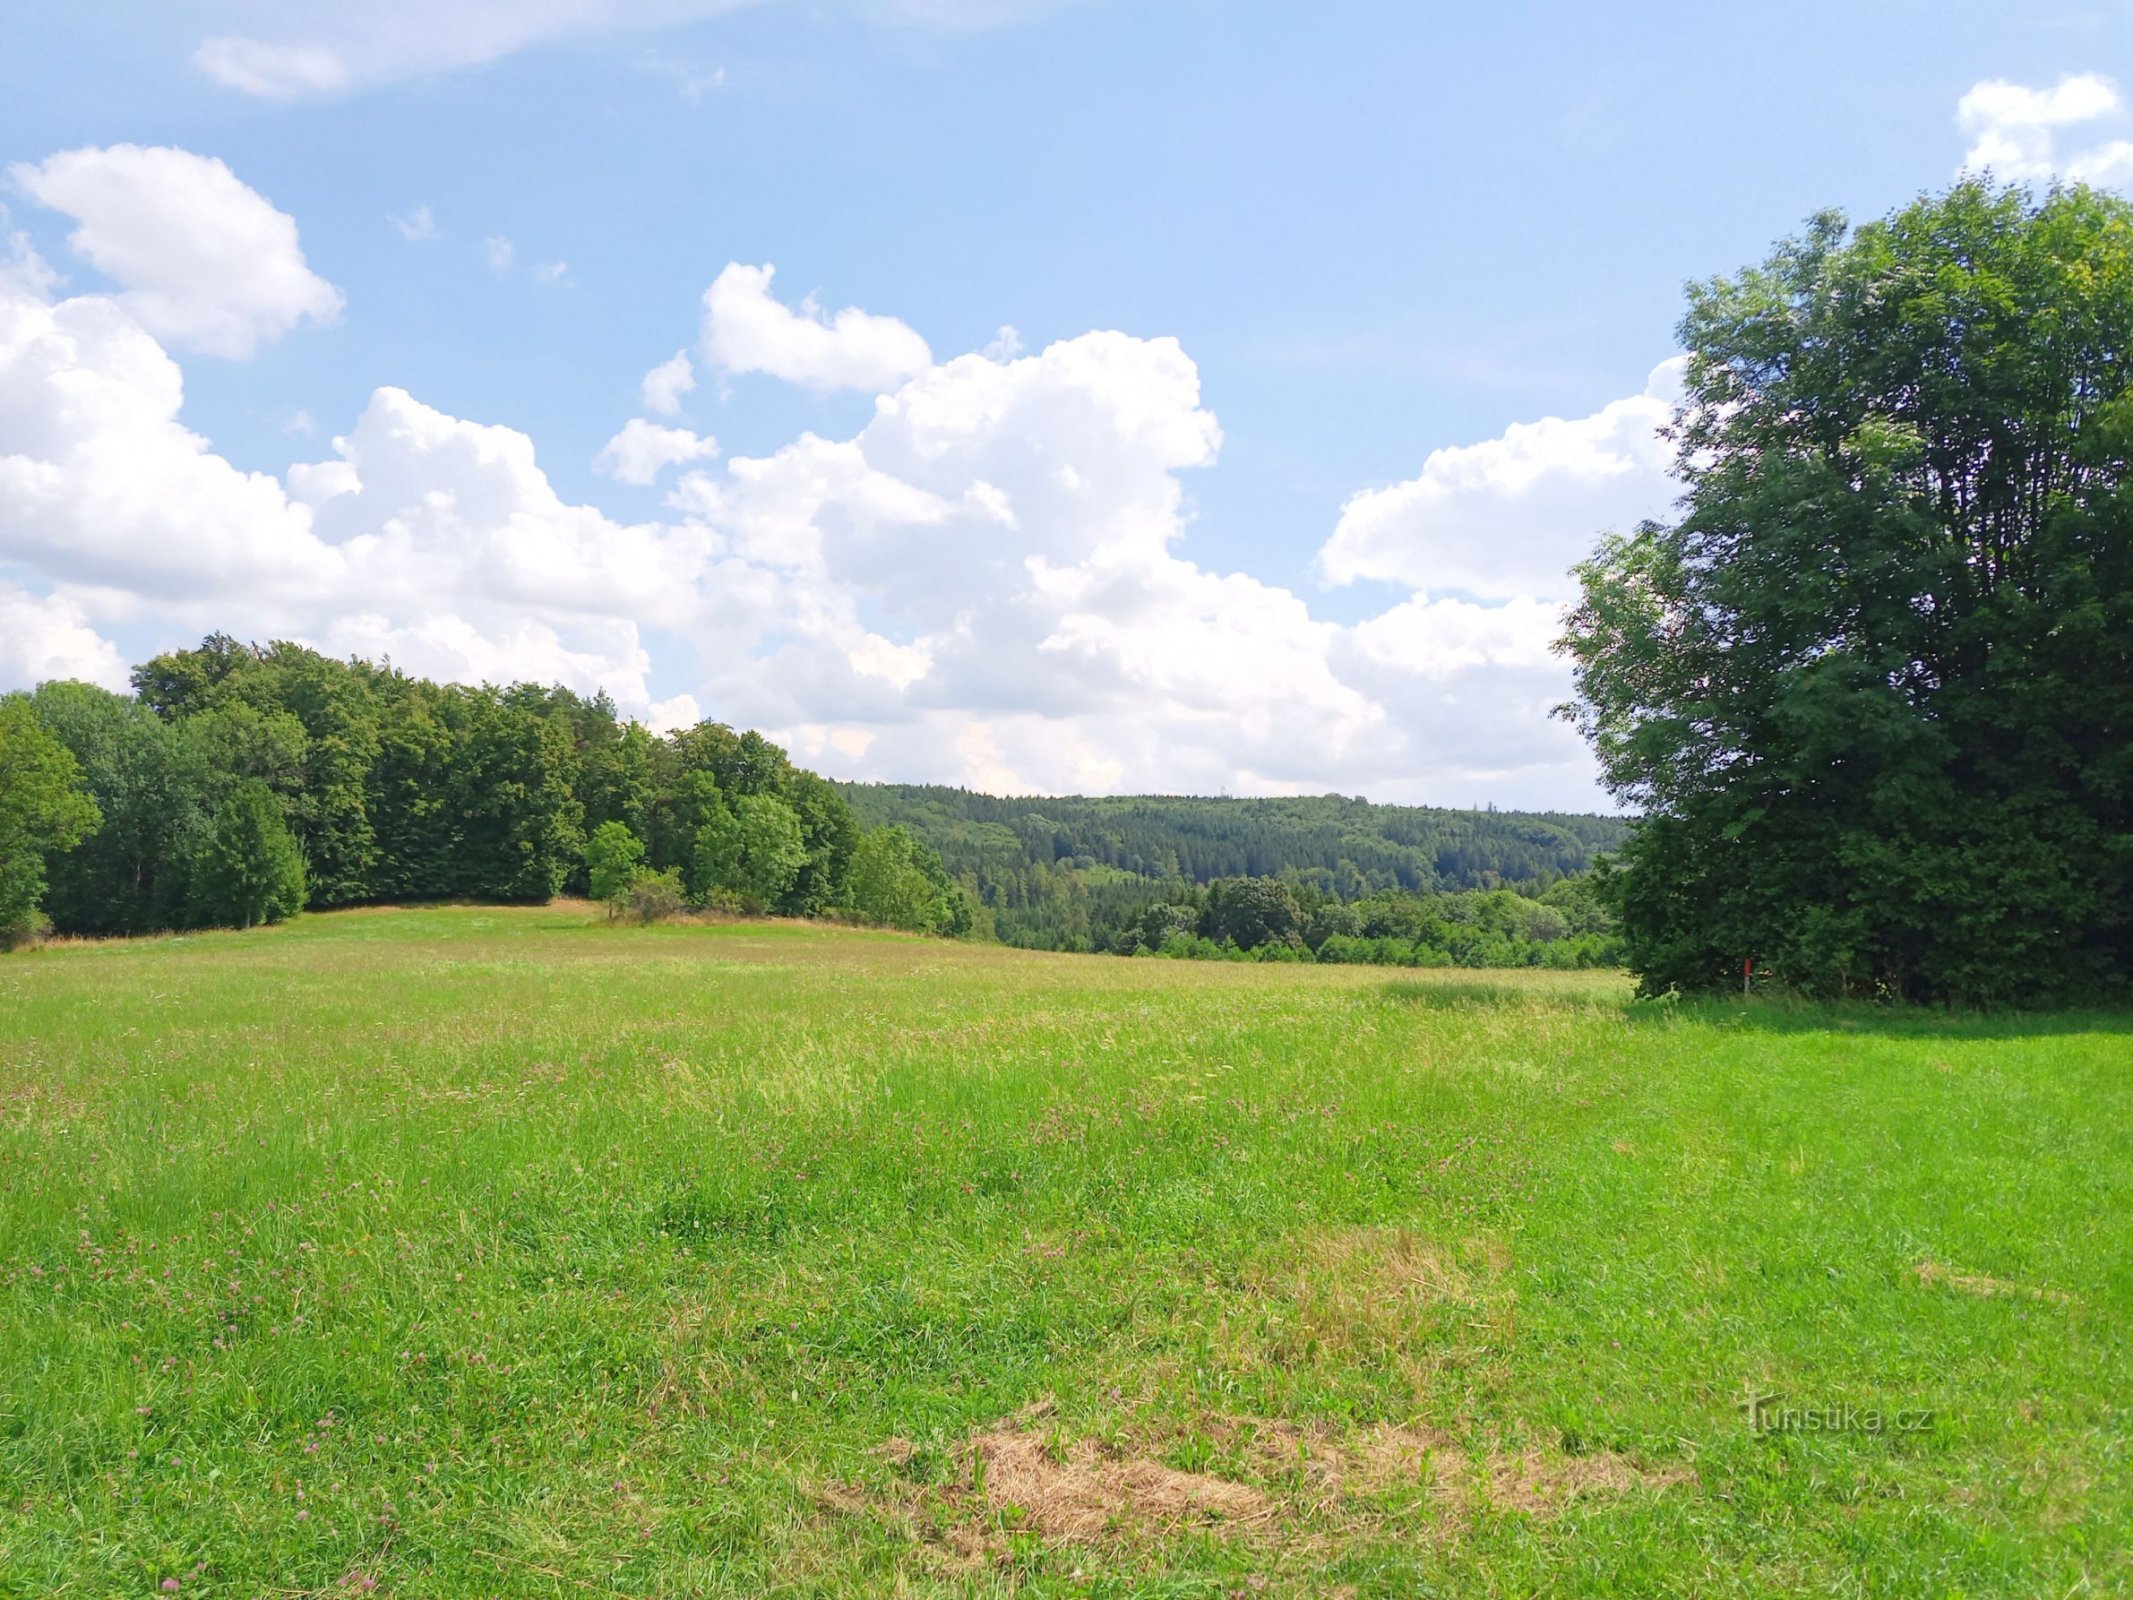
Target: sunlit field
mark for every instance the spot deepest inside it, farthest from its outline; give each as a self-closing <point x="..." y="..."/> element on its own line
<point x="473" y="1251"/>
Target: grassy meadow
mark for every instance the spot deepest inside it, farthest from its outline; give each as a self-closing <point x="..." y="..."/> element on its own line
<point x="504" y="1252"/>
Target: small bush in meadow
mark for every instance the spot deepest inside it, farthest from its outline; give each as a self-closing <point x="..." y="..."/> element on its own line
<point x="654" y="896"/>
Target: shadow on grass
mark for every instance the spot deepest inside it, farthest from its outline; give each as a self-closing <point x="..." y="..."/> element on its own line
<point x="1773" y="1014"/>
<point x="1782" y="1014"/>
<point x="1483" y="994"/>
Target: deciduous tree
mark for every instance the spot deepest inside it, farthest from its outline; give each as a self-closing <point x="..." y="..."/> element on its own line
<point x="43" y="807"/>
<point x="612" y="856"/>
<point x="1872" y="689"/>
<point x="250" y="870"/>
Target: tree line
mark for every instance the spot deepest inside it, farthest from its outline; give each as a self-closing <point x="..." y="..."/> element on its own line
<point x="1076" y="873"/>
<point x="1564" y="926"/>
<point x="239" y="784"/>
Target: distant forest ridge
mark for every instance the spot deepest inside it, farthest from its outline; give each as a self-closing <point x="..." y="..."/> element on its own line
<point x="1056" y="870"/>
<point x="1358" y="846"/>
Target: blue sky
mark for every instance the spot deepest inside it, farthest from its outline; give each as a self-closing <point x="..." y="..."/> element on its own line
<point x="1374" y="232"/>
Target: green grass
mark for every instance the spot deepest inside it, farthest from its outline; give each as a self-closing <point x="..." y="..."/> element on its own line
<point x="470" y="1251"/>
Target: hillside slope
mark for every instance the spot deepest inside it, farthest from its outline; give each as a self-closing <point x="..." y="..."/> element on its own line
<point x="1057" y="871"/>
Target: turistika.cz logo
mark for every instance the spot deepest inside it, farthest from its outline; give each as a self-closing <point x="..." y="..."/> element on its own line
<point x="1767" y="1413"/>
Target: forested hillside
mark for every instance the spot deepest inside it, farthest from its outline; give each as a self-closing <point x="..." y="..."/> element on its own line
<point x="1075" y="873"/>
<point x="239" y="784"/>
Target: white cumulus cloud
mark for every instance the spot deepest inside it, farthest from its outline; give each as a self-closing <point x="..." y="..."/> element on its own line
<point x="2014" y="131"/>
<point x="436" y="540"/>
<point x="1509" y="516"/>
<point x="1440" y="639"/>
<point x="987" y="583"/>
<point x="666" y="383"/>
<point x="679" y="711"/>
<point x="204" y="261"/>
<point x="747" y="329"/>
<point x="983" y="583"/>
<point x="642" y="450"/>
<point x="48" y="637"/>
<point x="418" y="225"/>
<point x="99" y="481"/>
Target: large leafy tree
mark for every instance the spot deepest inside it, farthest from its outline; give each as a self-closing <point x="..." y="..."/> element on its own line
<point x="336" y="704"/>
<point x="612" y="857"/>
<point x="133" y="875"/>
<point x="1874" y="688"/>
<point x="409" y="797"/>
<point x="828" y="835"/>
<point x="332" y="710"/>
<point x="1252" y="912"/>
<point x="250" y="869"/>
<point x="897" y="881"/>
<point x="517" y="816"/>
<point x="752" y="850"/>
<point x="43" y="808"/>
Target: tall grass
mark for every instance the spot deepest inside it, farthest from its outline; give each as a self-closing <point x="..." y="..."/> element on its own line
<point x="475" y="1251"/>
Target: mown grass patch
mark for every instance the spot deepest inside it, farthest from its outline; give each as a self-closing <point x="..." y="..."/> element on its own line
<point x="477" y="1251"/>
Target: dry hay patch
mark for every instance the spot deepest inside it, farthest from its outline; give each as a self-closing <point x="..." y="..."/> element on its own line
<point x="1390" y="1457"/>
<point x="1019" y="1479"/>
<point x="1454" y="1473"/>
<point x="1987" y="1288"/>
<point x="1083" y="1492"/>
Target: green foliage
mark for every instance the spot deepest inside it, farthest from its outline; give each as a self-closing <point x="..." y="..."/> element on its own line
<point x="249" y="869"/>
<point x="1159" y="922"/>
<point x="750" y="852"/>
<point x="1066" y="873"/>
<point x="1250" y="912"/>
<point x="234" y="741"/>
<point x="653" y="895"/>
<point x="1565" y="929"/>
<point x="1870" y="689"/>
<point x="714" y="859"/>
<point x="897" y="882"/>
<point x="306" y="724"/>
<point x="134" y="874"/>
<point x="612" y="857"/>
<point x="398" y="789"/>
<point x="513" y="792"/>
<point x="829" y="835"/>
<point x="43" y="809"/>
